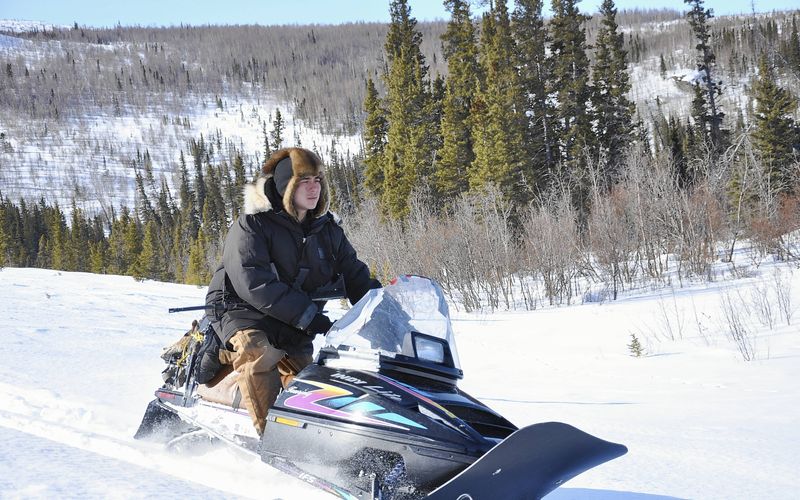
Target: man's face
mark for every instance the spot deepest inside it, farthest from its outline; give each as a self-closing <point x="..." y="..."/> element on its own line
<point x="306" y="196"/>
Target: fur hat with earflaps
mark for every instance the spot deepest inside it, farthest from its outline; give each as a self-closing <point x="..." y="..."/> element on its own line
<point x="286" y="167"/>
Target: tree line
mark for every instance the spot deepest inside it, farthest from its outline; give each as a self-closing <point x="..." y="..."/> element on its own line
<point x="168" y="235"/>
<point x="162" y="237"/>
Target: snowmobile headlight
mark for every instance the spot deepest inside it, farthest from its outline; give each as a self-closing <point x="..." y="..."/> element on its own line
<point x="429" y="349"/>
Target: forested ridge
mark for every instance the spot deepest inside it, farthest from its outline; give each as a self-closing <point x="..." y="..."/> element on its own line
<point x="507" y="155"/>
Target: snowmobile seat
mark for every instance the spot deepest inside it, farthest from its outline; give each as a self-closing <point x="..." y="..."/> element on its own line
<point x="222" y="389"/>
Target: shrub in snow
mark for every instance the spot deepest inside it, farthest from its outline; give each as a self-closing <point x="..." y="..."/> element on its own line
<point x="635" y="347"/>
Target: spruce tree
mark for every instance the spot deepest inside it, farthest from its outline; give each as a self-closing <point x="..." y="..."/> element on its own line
<point x="499" y="114"/>
<point x="186" y="224"/>
<point x="78" y="241"/>
<point x="197" y="272"/>
<point x="460" y="50"/>
<point x="144" y="208"/>
<point x="58" y="241"/>
<point x="9" y="218"/>
<point x="407" y="156"/>
<point x="199" y="181"/>
<point x="18" y="234"/>
<point x="431" y="129"/>
<point x="149" y="177"/>
<point x="226" y="188"/>
<point x="531" y="39"/>
<point x="4" y="240"/>
<point x="132" y="245"/>
<point x="43" y="257"/>
<point x="569" y="86"/>
<point x="179" y="253"/>
<point x="708" y="90"/>
<point x="165" y="208"/>
<point x="139" y="267"/>
<point x="612" y="111"/>
<point x="214" y="214"/>
<point x="149" y="263"/>
<point x="375" y="130"/>
<point x="635" y="347"/>
<point x="676" y="144"/>
<point x="167" y="218"/>
<point x="5" y="231"/>
<point x="278" y="127"/>
<point x="699" y="141"/>
<point x="775" y="133"/>
<point x="98" y="257"/>
<point x="793" y="49"/>
<point x="30" y="226"/>
<point x="118" y="261"/>
<point x="265" y="133"/>
<point x="239" y="180"/>
<point x="185" y="193"/>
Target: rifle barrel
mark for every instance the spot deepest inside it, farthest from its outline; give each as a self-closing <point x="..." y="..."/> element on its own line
<point x="190" y="308"/>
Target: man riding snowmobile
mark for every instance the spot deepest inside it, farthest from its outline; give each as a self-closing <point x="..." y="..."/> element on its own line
<point x="279" y="254"/>
<point x="378" y="414"/>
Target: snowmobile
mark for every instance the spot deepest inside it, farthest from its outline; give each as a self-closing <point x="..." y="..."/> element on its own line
<point x="379" y="415"/>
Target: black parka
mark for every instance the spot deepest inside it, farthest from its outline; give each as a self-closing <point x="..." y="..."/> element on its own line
<point x="272" y="264"/>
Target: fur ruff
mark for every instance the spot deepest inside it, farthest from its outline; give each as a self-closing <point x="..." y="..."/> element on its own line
<point x="255" y="198"/>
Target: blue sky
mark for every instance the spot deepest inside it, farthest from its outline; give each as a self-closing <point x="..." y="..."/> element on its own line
<point x="173" y="12"/>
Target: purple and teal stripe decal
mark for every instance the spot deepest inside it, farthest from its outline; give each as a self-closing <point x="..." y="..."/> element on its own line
<point x="334" y="401"/>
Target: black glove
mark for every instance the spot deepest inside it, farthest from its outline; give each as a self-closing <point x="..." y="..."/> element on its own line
<point x="319" y="324"/>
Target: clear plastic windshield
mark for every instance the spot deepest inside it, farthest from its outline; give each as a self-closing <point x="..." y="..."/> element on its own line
<point x="384" y="319"/>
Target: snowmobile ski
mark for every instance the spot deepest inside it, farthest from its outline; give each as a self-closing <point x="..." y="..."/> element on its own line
<point x="530" y="463"/>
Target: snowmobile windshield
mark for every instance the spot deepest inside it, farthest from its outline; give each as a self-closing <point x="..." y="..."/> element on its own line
<point x="408" y="317"/>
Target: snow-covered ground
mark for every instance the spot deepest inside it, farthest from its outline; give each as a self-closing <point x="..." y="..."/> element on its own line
<point x="81" y="361"/>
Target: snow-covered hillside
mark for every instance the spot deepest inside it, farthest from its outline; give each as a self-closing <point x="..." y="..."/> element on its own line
<point x="96" y="153"/>
<point x="93" y="157"/>
<point x="91" y="150"/>
<point x="81" y="360"/>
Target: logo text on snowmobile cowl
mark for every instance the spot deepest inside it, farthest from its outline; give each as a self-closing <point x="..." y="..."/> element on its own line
<point x="362" y="384"/>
